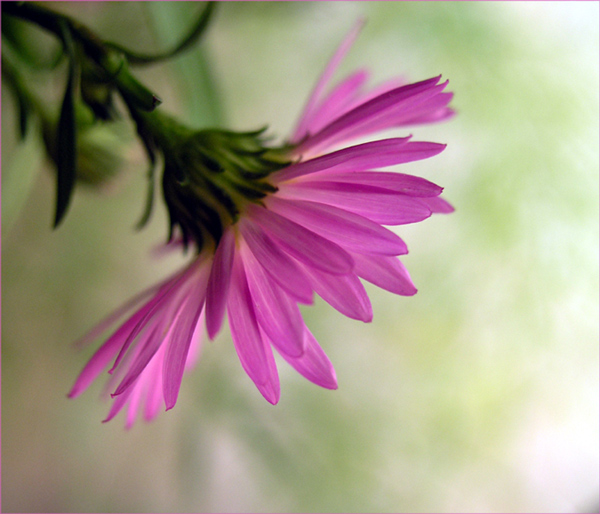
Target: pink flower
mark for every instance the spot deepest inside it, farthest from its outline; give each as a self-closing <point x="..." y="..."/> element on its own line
<point x="318" y="228"/>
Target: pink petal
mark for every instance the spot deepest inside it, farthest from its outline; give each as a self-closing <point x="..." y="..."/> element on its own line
<point x="343" y="292"/>
<point x="106" y="352"/>
<point x="402" y="98"/>
<point x="218" y="284"/>
<point x="314" y="365"/>
<point x="153" y="390"/>
<point x="275" y="261"/>
<point x="144" y="350"/>
<point x="406" y="184"/>
<point x="377" y="204"/>
<point x="302" y="244"/>
<point x="438" y="205"/>
<point x="179" y="343"/>
<point x="163" y="297"/>
<point x="386" y="272"/>
<point x="351" y="231"/>
<point x="275" y="312"/>
<point x="375" y="154"/>
<point x="339" y="101"/>
<point x="324" y="80"/>
<point x="132" y="409"/>
<point x="256" y="357"/>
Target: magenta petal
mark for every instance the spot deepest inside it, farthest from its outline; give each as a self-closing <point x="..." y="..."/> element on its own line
<point x="132" y="409"/>
<point x="386" y="272"/>
<point x="218" y="284"/>
<point x="179" y="343"/>
<point x="330" y="69"/>
<point x="100" y="360"/>
<point x="377" y="204"/>
<point x="343" y="292"/>
<point x="143" y="351"/>
<point x="282" y="268"/>
<point x="339" y="101"/>
<point x="398" y="182"/>
<point x="438" y="205"/>
<point x="153" y="391"/>
<point x="275" y="312"/>
<point x="255" y="356"/>
<point x="314" y="365"/>
<point x="118" y="403"/>
<point x="375" y="154"/>
<point x="422" y="107"/>
<point x="403" y="97"/>
<point x="351" y="231"/>
<point x="302" y="244"/>
<point x="164" y="297"/>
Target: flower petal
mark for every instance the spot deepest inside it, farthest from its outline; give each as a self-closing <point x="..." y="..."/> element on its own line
<point x="255" y="356"/>
<point x="403" y="98"/>
<point x="179" y="342"/>
<point x="276" y="313"/>
<point x="375" y="154"/>
<point x="330" y="69"/>
<point x="386" y="272"/>
<point x="438" y="205"/>
<point x="377" y="204"/>
<point x="339" y="101"/>
<point x="282" y="268"/>
<point x="343" y="292"/>
<point x="398" y="182"/>
<point x="314" y="365"/>
<point x="302" y="244"/>
<point x="218" y="284"/>
<point x="351" y="231"/>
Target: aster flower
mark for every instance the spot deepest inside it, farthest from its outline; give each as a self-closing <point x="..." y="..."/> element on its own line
<point x="273" y="226"/>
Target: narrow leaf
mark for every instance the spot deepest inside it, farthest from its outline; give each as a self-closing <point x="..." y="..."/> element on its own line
<point x="67" y="137"/>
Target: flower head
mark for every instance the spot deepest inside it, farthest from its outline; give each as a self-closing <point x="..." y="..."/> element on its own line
<point x="273" y="226"/>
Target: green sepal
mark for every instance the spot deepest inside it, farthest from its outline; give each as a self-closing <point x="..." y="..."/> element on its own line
<point x="135" y="58"/>
<point x="66" y="158"/>
<point x="150" y="194"/>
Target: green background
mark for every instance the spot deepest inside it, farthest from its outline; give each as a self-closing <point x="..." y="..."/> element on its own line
<point x="478" y="394"/>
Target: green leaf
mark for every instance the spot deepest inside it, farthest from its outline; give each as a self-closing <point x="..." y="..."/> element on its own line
<point x="66" y="158"/>
<point x="18" y="175"/>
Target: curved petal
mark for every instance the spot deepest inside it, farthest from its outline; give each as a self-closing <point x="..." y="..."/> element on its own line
<point x="179" y="342"/>
<point x="343" y="292"/>
<point x="377" y="204"/>
<point x="386" y="272"/>
<point x="282" y="268"/>
<point x="399" y="99"/>
<point x="314" y="365"/>
<point x="255" y="356"/>
<point x="330" y="69"/>
<point x="218" y="284"/>
<point x="438" y="205"/>
<point x="351" y="231"/>
<point x="302" y="244"/>
<point x="275" y="311"/>
<point x="375" y="154"/>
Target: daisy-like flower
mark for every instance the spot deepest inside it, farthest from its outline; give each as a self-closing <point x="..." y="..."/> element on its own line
<point x="273" y="226"/>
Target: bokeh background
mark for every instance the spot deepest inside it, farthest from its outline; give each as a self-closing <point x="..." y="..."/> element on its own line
<point x="478" y="394"/>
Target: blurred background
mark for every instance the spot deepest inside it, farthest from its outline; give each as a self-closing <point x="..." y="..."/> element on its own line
<point x="479" y="394"/>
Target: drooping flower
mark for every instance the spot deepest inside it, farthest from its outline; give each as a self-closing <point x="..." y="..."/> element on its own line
<point x="273" y="226"/>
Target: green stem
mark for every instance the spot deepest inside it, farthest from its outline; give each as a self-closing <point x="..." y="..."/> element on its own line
<point x="110" y="61"/>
